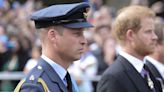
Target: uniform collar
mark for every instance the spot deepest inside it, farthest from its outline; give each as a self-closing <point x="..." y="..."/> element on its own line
<point x="58" y="68"/>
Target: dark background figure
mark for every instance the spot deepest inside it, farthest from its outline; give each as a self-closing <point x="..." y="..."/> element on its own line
<point x="155" y="61"/>
<point x="18" y="55"/>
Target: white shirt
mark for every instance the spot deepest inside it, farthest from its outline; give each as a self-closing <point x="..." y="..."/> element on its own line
<point x="159" y="66"/>
<point x="59" y="69"/>
<point x="137" y="63"/>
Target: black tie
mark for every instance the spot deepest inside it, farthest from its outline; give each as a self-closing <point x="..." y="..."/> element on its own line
<point x="69" y="82"/>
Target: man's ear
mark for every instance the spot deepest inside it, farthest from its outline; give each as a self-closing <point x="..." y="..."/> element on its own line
<point x="130" y="35"/>
<point x="52" y="34"/>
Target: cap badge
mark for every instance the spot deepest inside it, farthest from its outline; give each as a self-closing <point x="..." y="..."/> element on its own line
<point x="85" y="15"/>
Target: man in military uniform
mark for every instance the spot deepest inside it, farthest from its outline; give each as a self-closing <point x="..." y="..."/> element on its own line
<point x="60" y="29"/>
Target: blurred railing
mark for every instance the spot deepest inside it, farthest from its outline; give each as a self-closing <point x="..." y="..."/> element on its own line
<point x="20" y="75"/>
<point x="11" y="75"/>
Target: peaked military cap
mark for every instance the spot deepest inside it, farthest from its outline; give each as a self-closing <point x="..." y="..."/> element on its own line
<point x="68" y="15"/>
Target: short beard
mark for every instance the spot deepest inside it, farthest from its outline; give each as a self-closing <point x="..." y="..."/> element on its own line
<point x="143" y="51"/>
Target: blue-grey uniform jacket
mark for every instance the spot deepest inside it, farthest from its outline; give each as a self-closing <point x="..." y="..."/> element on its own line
<point x="44" y="75"/>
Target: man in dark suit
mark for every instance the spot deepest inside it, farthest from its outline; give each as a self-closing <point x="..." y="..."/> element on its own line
<point x="134" y="29"/>
<point x="155" y="61"/>
<point x="60" y="29"/>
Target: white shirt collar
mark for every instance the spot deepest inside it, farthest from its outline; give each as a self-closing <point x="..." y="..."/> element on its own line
<point x="137" y="63"/>
<point x="157" y="64"/>
<point x="59" y="69"/>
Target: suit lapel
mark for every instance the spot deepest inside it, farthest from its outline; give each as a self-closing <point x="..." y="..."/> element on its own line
<point x="52" y="74"/>
<point x="154" y="70"/>
<point x="154" y="75"/>
<point x="134" y="76"/>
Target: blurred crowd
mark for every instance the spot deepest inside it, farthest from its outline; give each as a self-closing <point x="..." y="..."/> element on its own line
<point x="20" y="47"/>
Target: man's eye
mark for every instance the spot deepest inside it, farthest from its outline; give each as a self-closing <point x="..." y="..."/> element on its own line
<point x="78" y="34"/>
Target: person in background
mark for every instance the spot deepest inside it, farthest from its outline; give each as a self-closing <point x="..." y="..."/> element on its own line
<point x="134" y="29"/>
<point x="11" y="65"/>
<point x="101" y="33"/>
<point x="110" y="51"/>
<point x="155" y="61"/>
<point x="60" y="29"/>
<point x="83" y="70"/>
<point x="4" y="52"/>
<point x="31" y="63"/>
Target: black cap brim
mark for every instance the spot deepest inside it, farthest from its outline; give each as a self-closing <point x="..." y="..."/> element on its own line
<point x="78" y="25"/>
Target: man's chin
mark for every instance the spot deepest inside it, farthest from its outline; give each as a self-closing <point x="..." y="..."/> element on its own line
<point x="77" y="58"/>
<point x="149" y="52"/>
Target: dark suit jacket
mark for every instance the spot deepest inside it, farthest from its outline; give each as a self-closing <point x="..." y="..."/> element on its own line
<point x="122" y="77"/>
<point x="154" y="70"/>
<point x="51" y="78"/>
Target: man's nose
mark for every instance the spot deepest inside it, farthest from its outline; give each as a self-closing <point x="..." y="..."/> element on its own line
<point x="155" y="37"/>
<point x="83" y="40"/>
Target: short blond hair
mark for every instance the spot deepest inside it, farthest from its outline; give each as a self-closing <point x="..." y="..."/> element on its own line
<point x="130" y="18"/>
<point x="43" y="31"/>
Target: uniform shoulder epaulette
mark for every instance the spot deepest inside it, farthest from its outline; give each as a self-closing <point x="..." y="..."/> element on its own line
<point x="35" y="74"/>
<point x="34" y="77"/>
